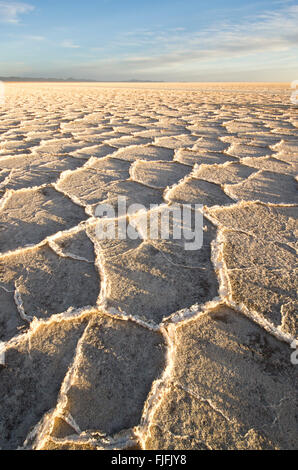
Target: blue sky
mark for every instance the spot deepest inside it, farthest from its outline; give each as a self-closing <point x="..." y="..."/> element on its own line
<point x="171" y="40"/>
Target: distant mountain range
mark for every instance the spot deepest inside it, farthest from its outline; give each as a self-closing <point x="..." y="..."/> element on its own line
<point x="22" y="79"/>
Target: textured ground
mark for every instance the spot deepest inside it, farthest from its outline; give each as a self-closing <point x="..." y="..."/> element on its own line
<point x="139" y="343"/>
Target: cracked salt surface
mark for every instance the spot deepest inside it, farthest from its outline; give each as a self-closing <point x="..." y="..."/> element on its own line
<point x="118" y="344"/>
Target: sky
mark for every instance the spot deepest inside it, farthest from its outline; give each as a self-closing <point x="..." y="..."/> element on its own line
<point x="168" y="40"/>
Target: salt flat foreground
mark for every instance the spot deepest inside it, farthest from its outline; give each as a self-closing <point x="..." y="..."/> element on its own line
<point x="139" y="343"/>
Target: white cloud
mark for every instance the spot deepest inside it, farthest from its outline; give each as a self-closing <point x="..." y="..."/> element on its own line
<point x="69" y="44"/>
<point x="35" y="38"/>
<point x="174" y="54"/>
<point x="10" y="11"/>
<point x="271" y="32"/>
<point x="221" y="50"/>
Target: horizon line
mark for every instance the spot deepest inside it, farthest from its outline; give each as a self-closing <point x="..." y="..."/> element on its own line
<point x="13" y="79"/>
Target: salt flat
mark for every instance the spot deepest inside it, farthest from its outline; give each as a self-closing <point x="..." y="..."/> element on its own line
<point x="139" y="343"/>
